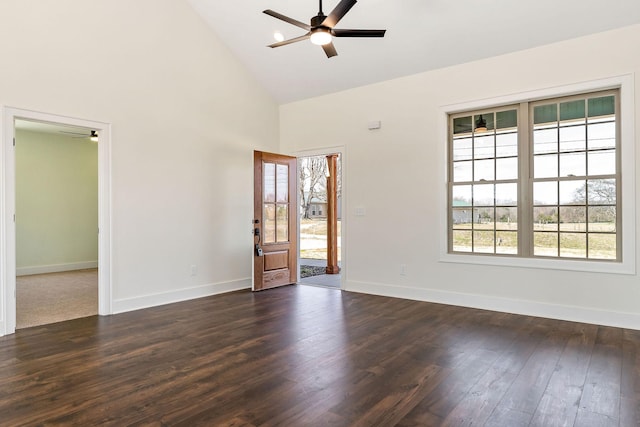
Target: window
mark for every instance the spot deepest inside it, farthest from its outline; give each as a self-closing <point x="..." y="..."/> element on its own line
<point x="484" y="177"/>
<point x="537" y="179"/>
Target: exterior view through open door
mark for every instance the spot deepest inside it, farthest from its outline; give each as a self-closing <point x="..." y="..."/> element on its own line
<point x="275" y="252"/>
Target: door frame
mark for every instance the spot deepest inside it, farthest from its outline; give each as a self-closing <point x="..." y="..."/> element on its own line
<point x="8" y="206"/>
<point x="340" y="149"/>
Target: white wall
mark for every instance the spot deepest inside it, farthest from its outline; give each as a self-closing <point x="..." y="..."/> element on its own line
<point x="395" y="172"/>
<point x="186" y="117"/>
<point x="56" y="202"/>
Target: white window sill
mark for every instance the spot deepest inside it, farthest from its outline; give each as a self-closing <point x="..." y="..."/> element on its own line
<point x="543" y="263"/>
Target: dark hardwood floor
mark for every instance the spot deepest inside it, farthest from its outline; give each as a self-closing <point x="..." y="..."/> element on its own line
<point x="310" y="356"/>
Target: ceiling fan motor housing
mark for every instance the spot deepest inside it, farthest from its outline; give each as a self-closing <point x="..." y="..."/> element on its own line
<point x="317" y="21"/>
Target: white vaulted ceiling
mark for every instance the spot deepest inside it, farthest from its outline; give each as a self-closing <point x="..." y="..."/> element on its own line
<point x="421" y="35"/>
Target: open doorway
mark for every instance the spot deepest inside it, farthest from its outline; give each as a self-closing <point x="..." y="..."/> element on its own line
<point x="10" y="269"/>
<point x="320" y="196"/>
<point x="56" y="181"/>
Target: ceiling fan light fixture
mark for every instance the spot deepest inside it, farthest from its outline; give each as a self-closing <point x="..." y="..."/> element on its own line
<point x="320" y="37"/>
<point x="278" y="36"/>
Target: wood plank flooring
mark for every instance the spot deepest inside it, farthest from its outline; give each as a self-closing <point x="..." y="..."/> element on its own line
<point x="310" y="356"/>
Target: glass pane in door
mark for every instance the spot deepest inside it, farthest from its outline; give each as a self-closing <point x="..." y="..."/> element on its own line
<point x="269" y="182"/>
<point x="282" y="220"/>
<point x="282" y="186"/>
<point x="269" y="226"/>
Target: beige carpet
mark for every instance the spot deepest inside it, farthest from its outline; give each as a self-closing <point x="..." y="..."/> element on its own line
<point x="48" y="298"/>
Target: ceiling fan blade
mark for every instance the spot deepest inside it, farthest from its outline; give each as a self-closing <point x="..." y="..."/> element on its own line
<point x="338" y="13"/>
<point x="287" y="19"/>
<point x="77" y="134"/>
<point x="286" y="42"/>
<point x="358" y="33"/>
<point x="330" y="50"/>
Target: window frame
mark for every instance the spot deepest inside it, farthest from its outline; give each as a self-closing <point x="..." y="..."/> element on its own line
<point x="494" y="181"/>
<point x="530" y="250"/>
<point x="625" y="173"/>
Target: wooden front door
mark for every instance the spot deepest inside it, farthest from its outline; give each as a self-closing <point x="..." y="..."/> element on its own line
<point x="275" y="252"/>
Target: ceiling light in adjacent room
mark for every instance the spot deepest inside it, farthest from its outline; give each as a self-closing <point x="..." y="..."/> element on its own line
<point x="94" y="136"/>
<point x="481" y="124"/>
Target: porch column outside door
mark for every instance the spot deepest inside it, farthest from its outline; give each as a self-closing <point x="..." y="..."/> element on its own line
<point x="332" y="215"/>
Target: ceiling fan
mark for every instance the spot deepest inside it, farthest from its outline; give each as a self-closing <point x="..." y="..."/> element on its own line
<point x="93" y="135"/>
<point x="321" y="31"/>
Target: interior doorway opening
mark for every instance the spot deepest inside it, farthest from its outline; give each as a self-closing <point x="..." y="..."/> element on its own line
<point x="56" y="196"/>
<point x="8" y="265"/>
<point x="320" y="211"/>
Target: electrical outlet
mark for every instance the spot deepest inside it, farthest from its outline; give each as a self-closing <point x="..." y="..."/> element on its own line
<point x="194" y="270"/>
<point x="403" y="269"/>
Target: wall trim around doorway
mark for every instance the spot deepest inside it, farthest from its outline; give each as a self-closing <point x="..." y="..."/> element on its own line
<point x="7" y="210"/>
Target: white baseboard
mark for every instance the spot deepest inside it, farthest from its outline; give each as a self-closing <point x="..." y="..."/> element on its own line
<point x="146" y="301"/>
<point x="506" y="305"/>
<point x="3" y="331"/>
<point x="55" y="268"/>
